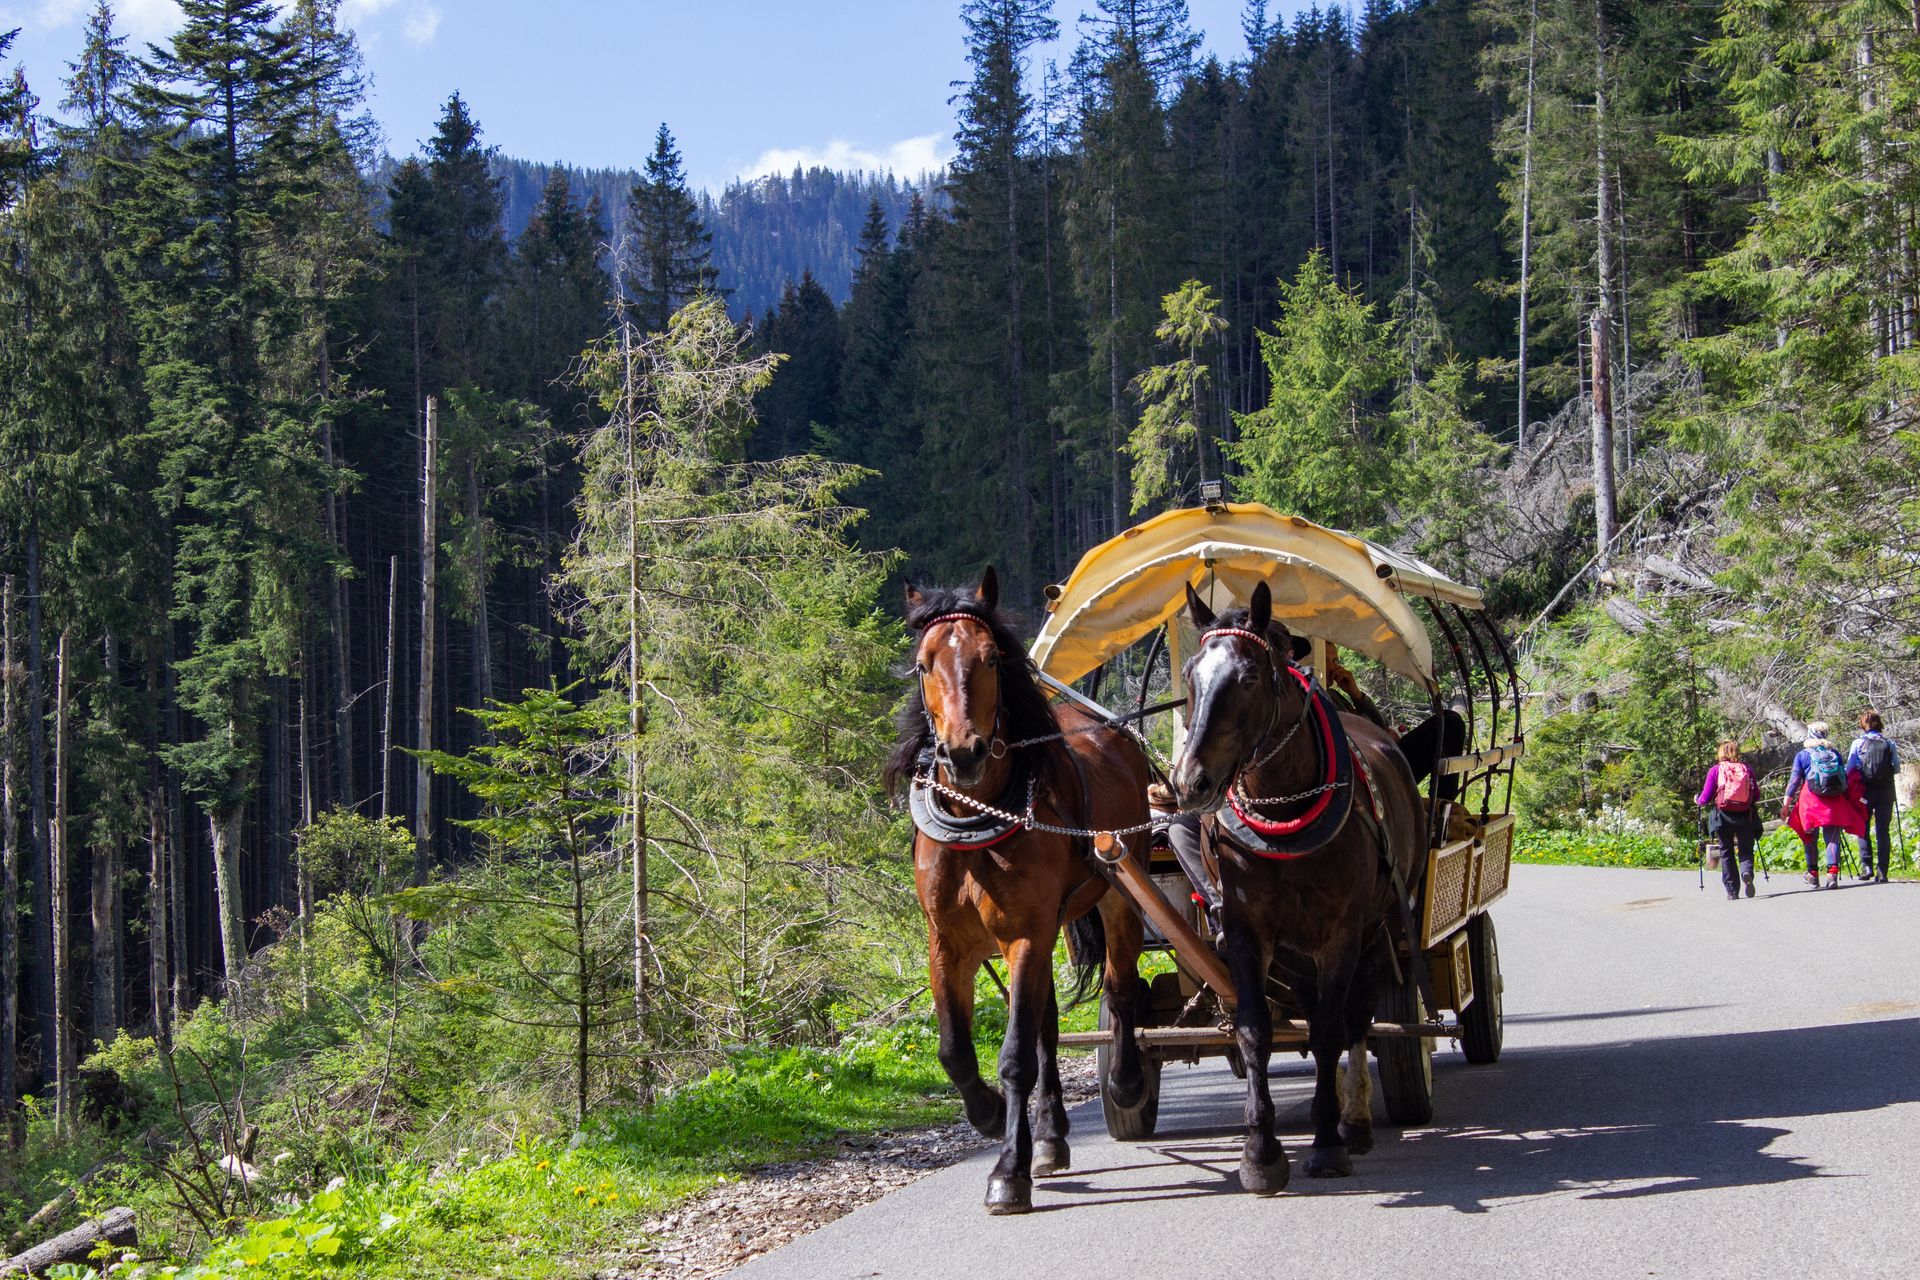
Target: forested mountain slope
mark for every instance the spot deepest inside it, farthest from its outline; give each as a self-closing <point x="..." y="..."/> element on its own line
<point x="766" y="231"/>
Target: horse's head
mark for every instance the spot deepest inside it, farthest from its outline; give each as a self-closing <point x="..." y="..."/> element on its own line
<point x="1235" y="697"/>
<point x="957" y="664"/>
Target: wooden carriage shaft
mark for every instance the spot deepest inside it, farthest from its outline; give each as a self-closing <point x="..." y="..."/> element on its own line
<point x="1190" y="951"/>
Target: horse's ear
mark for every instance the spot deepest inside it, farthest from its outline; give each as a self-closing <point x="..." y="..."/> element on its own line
<point x="1197" y="609"/>
<point x="914" y="598"/>
<point x="988" y="592"/>
<point x="1260" y="610"/>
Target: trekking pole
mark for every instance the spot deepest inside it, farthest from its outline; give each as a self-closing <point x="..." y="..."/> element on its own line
<point x="1906" y="855"/>
<point x="1703" y="852"/>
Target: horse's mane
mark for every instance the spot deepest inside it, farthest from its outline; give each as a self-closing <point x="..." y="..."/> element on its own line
<point x="1025" y="710"/>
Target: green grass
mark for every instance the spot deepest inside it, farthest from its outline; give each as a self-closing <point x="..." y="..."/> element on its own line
<point x="1778" y="850"/>
<point x="544" y="1210"/>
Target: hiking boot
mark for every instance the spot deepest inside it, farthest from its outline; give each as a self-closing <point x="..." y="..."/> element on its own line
<point x="1866" y="875"/>
<point x="1746" y="882"/>
<point x="1811" y="879"/>
<point x="1833" y="878"/>
<point x="1733" y="895"/>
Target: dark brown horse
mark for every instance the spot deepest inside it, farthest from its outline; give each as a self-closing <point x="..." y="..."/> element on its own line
<point x="1333" y="803"/>
<point x="980" y="744"/>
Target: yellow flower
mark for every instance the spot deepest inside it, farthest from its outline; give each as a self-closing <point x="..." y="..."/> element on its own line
<point x="544" y="1165"/>
<point x="579" y="1191"/>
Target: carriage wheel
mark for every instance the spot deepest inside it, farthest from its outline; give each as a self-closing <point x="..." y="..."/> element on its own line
<point x="1135" y="1123"/>
<point x="1482" y="1026"/>
<point x="1406" y="1062"/>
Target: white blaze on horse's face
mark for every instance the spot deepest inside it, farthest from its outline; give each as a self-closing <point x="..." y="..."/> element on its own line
<point x="959" y="683"/>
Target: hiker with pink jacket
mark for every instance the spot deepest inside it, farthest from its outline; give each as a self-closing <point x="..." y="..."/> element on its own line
<point x="1826" y="798"/>
<point x="1731" y="791"/>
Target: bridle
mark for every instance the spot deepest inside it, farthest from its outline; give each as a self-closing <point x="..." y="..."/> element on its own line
<point x="1273" y="686"/>
<point x="996" y="746"/>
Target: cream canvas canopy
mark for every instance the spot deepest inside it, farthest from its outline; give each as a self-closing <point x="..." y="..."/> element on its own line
<point x="1326" y="584"/>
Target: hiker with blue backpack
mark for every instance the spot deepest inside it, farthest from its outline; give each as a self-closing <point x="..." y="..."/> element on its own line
<point x="1877" y="762"/>
<point x="1824" y="798"/>
<point x="1733" y="819"/>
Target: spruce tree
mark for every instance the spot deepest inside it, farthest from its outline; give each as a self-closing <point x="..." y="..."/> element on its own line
<point x="671" y="259"/>
<point x="798" y="405"/>
<point x="239" y="468"/>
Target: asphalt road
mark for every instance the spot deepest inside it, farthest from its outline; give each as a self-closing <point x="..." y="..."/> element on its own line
<point x="1690" y="1087"/>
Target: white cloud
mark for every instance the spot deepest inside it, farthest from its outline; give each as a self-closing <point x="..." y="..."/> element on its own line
<point x="141" y="19"/>
<point x="907" y="157"/>
<point x="423" y="23"/>
<point x="146" y="20"/>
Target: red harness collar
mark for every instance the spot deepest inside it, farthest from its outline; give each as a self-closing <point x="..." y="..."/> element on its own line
<point x="1293" y="826"/>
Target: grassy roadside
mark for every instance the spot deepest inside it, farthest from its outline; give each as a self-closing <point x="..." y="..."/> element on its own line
<point x="1638" y="845"/>
<point x="546" y="1210"/>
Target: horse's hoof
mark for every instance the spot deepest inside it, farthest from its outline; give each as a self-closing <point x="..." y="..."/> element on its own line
<point x="1264" y="1179"/>
<point x="1358" y="1137"/>
<point x="1328" y="1162"/>
<point x="1051" y="1156"/>
<point x="1009" y="1193"/>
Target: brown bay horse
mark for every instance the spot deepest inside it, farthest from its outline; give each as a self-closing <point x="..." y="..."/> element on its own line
<point x="980" y="745"/>
<point x="1330" y="807"/>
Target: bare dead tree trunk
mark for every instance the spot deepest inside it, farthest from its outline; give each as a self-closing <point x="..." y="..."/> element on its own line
<point x="40" y="973"/>
<point x="9" y="876"/>
<point x="58" y="923"/>
<point x="386" y="701"/>
<point x="1527" y="217"/>
<point x="105" y="904"/>
<point x="303" y="881"/>
<point x="1115" y="406"/>
<point x="1606" y="512"/>
<point x="636" y="708"/>
<point x="429" y="555"/>
<point x="223" y="829"/>
<point x="158" y="874"/>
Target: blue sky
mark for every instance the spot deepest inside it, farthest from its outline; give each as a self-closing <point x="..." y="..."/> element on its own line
<point x="747" y="86"/>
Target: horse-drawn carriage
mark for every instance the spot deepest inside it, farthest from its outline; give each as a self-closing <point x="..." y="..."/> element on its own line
<point x="1336" y="593"/>
<point x="1307" y="892"/>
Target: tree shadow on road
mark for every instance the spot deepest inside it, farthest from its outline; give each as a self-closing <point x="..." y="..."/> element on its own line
<point x="1606" y="1122"/>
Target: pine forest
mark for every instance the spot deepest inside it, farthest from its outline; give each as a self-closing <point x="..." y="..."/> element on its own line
<point x="451" y="604"/>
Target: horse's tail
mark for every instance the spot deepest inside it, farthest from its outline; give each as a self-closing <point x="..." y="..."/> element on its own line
<point x="1087" y="949"/>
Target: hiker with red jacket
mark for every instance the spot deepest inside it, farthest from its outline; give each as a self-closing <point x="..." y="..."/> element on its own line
<point x="1731" y="791"/>
<point x="1874" y="758"/>
<point x="1823" y="797"/>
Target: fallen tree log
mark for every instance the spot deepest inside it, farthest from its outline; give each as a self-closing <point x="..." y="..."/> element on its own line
<point x="1631" y="618"/>
<point x="115" y="1227"/>
<point x="52" y="1209"/>
<point x="1674" y="571"/>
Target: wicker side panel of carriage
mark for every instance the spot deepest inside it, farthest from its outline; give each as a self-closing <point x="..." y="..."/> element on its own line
<point x="1449" y="890"/>
<point x="1496" y="860"/>
<point x="1450" y="972"/>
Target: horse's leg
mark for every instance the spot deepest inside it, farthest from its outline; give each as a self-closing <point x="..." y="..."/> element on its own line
<point x="1326" y="1039"/>
<point x="950" y="978"/>
<point x="1263" y="1160"/>
<point x="1029" y="984"/>
<point x="1356" y="1084"/>
<point x="1050" y="1151"/>
<point x="1126" y="1082"/>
